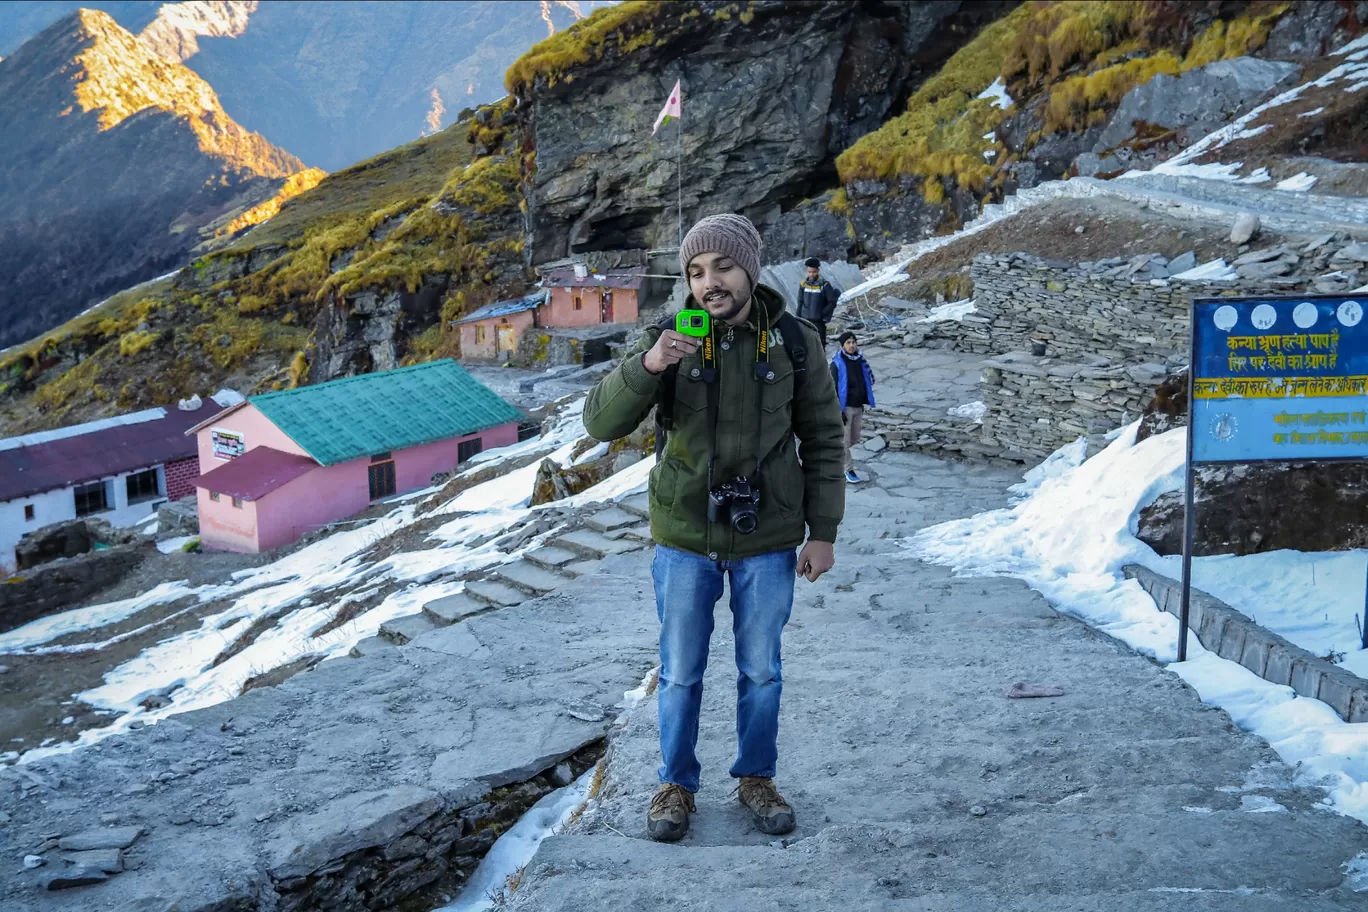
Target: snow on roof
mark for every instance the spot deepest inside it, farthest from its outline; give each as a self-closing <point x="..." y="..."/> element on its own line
<point x="78" y="430"/>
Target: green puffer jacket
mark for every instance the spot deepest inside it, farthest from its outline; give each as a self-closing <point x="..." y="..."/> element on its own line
<point x="802" y="484"/>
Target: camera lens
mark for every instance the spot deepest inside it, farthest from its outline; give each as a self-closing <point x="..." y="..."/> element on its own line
<point x="745" y="521"/>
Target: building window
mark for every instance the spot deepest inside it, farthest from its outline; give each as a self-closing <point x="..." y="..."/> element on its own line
<point x="479" y="334"/>
<point x="466" y="449"/>
<point x="28" y="512"/>
<point x="579" y="302"/>
<point x="237" y="503"/>
<point x="381" y="480"/>
<point x="382" y="457"/>
<point x="90" y="498"/>
<point x="213" y="495"/>
<point x="143" y="486"/>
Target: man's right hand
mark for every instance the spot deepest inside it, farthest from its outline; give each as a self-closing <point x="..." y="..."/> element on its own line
<point x="669" y="349"/>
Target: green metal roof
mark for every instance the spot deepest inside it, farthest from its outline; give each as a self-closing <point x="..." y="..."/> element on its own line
<point x="389" y="410"/>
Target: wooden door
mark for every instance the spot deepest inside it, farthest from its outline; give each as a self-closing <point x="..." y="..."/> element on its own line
<point x="507" y="342"/>
<point x="608" y="307"/>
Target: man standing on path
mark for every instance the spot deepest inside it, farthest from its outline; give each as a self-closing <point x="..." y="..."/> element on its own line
<point x="817" y="298"/>
<point x="855" y="389"/>
<point x="730" y="496"/>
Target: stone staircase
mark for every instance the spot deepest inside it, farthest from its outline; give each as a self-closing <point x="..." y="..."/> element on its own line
<point x="615" y="528"/>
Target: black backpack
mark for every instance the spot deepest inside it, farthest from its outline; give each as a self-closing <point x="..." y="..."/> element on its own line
<point x="789" y="330"/>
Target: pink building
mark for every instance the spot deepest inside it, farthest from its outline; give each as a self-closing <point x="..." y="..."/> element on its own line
<point x="570" y="300"/>
<point x="282" y="464"/>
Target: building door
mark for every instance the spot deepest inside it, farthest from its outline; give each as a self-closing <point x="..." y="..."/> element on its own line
<point x="507" y="341"/>
<point x="608" y="306"/>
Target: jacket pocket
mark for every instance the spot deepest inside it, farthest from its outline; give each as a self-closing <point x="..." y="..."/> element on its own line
<point x="781" y="475"/>
<point x="664" y="479"/>
<point x="781" y="480"/>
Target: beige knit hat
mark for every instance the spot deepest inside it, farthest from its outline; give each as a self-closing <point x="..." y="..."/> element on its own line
<point x="730" y="235"/>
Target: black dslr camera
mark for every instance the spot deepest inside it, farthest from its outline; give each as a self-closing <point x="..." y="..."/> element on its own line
<point x="736" y="502"/>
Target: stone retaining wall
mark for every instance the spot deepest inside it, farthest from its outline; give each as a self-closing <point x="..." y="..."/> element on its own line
<point x="1038" y="404"/>
<point x="1127" y="320"/>
<point x="49" y="588"/>
<point x="1231" y="635"/>
<point x="1108" y="342"/>
<point x="546" y="347"/>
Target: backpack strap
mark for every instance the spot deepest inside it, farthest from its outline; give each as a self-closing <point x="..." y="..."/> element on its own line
<point x="790" y="327"/>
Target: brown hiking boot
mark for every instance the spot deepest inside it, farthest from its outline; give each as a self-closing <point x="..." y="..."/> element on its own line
<point x="668" y="818"/>
<point x="771" y="812"/>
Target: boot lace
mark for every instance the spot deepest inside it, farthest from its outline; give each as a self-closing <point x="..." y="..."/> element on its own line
<point x="760" y="794"/>
<point x="672" y="798"/>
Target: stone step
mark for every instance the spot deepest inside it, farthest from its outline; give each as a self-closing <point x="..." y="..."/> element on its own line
<point x="401" y="630"/>
<point x="580" y="568"/>
<point x="640" y="504"/>
<point x="593" y="544"/>
<point x="640" y="533"/>
<point x="372" y="645"/>
<point x="610" y="519"/>
<point x="531" y="578"/>
<point x="493" y="592"/>
<point x="549" y="557"/>
<point x="449" y="609"/>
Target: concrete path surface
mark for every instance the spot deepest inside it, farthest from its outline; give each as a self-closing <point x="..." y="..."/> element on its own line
<point x="919" y="785"/>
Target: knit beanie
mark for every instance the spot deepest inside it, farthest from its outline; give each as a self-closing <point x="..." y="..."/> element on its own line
<point x="730" y="235"/>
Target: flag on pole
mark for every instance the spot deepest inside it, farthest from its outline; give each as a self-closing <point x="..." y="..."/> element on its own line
<point x="671" y="111"/>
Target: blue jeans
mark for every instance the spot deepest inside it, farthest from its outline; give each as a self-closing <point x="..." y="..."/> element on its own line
<point x="687" y="588"/>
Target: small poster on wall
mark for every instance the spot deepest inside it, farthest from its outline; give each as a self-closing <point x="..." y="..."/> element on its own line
<point x="227" y="444"/>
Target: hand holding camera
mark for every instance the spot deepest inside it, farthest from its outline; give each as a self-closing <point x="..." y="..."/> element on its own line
<point x="669" y="349"/>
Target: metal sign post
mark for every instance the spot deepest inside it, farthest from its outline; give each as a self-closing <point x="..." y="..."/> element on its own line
<point x="1272" y="380"/>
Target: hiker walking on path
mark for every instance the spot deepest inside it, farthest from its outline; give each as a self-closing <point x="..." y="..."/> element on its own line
<point x="731" y="496"/>
<point x="855" y="389"/>
<point x="817" y="298"/>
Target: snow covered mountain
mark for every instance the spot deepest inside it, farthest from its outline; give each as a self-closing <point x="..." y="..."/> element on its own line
<point x="332" y="82"/>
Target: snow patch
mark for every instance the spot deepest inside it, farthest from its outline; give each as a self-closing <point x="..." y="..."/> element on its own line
<point x="997" y="94"/>
<point x="1298" y="183"/>
<point x="1077" y="565"/>
<point x="971" y="410"/>
<point x="1312" y="113"/>
<point x="1214" y="271"/>
<point x="171" y="545"/>
<point x="94" y="617"/>
<point x="955" y="310"/>
<point x="487" y="887"/>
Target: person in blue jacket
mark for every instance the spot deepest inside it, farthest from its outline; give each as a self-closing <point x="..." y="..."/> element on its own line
<point x="855" y="387"/>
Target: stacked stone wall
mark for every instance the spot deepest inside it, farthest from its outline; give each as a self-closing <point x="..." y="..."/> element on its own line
<point x="1107" y="343"/>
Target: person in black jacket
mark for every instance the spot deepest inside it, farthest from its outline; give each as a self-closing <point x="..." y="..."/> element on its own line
<point x="817" y="298"/>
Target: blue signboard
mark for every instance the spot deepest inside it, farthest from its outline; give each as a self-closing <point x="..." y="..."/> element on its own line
<point x="1279" y="379"/>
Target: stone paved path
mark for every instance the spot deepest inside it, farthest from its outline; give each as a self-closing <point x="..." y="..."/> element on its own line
<point x="918" y="785"/>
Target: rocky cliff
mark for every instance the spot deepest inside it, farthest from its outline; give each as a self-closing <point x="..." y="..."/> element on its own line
<point x="773" y="92"/>
<point x="114" y="160"/>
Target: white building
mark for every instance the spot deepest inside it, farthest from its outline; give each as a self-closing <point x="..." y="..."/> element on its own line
<point x="118" y="469"/>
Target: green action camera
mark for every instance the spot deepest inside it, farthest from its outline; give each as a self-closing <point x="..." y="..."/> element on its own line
<point x="694" y="323"/>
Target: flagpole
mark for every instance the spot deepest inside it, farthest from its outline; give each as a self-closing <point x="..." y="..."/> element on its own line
<point x="679" y="167"/>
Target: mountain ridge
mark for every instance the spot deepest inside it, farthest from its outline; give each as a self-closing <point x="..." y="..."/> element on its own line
<point x="117" y="159"/>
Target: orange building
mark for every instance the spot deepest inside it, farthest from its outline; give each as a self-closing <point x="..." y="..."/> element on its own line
<point x="569" y="300"/>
